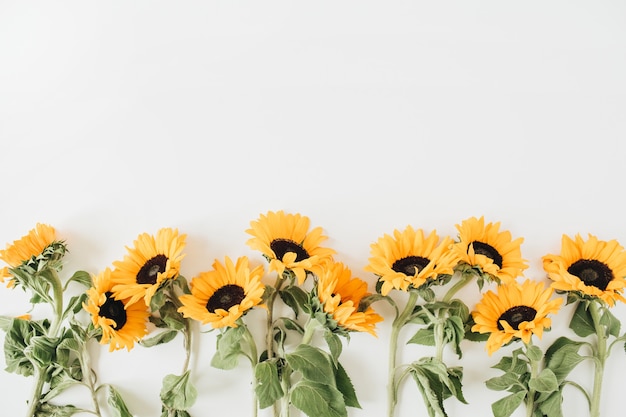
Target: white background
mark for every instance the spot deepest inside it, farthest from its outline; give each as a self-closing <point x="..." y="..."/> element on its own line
<point x="122" y="117"/>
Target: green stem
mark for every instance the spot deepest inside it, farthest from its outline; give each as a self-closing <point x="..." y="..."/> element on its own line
<point x="466" y="277"/>
<point x="439" y="339"/>
<point x="309" y="330"/>
<point x="601" y="355"/>
<point x="398" y="323"/>
<point x="57" y="305"/>
<point x="85" y="365"/>
<point x="254" y="358"/>
<point x="530" y="398"/>
<point x="269" y="332"/>
<point x="40" y="375"/>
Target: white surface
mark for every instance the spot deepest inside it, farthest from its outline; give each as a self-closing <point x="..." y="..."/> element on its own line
<point x="118" y="118"/>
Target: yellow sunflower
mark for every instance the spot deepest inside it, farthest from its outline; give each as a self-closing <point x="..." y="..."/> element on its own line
<point x="515" y="311"/>
<point x="122" y="323"/>
<point x="409" y="258"/>
<point x="152" y="260"/>
<point x="221" y="296"/>
<point x="33" y="244"/>
<point x="340" y="294"/>
<point x="493" y="251"/>
<point x="288" y="244"/>
<point x="594" y="268"/>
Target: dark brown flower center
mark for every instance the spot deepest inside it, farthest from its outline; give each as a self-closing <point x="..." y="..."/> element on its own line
<point x="225" y="297"/>
<point x="489" y="251"/>
<point x="410" y="265"/>
<point x="150" y="270"/>
<point x="282" y="246"/>
<point x="592" y="272"/>
<point x="113" y="309"/>
<point x="516" y="315"/>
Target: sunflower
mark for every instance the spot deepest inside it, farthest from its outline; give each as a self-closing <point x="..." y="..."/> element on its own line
<point x="148" y="264"/>
<point x="287" y="243"/>
<point x="594" y="268"/>
<point x="221" y="296"/>
<point x="485" y="247"/>
<point x="515" y="311"/>
<point x="22" y="250"/>
<point x="122" y="322"/>
<point x="341" y="294"/>
<point x="409" y="258"/>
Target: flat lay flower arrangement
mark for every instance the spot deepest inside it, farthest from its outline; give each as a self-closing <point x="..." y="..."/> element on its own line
<point x="312" y="303"/>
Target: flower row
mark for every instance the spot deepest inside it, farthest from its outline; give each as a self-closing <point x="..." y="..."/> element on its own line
<point x="144" y="299"/>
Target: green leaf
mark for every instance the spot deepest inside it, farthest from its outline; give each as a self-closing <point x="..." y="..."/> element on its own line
<point x="454" y="332"/>
<point x="172" y="318"/>
<point x="294" y="297"/>
<point x="503" y="382"/>
<point x="582" y="323"/>
<point x="6" y="322"/>
<point x="117" y="403"/>
<point x="534" y="353"/>
<point x="164" y="336"/>
<point x="562" y="357"/>
<point x="313" y="363"/>
<point x="504" y="407"/>
<point x="228" y="348"/>
<point x="74" y="305"/>
<point x="344" y="385"/>
<point x="424" y="337"/>
<point x="544" y="382"/>
<point x="318" y="400"/>
<point x="80" y="277"/>
<point x="512" y="364"/>
<point x="178" y="392"/>
<point x="552" y="406"/>
<point x="50" y="410"/>
<point x="268" y="388"/>
<point x="611" y="322"/>
<point x="334" y="344"/>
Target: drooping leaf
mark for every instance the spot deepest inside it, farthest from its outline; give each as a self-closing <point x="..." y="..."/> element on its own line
<point x="268" y="388"/>
<point x="228" y="348"/>
<point x="582" y="322"/>
<point x="344" y="385"/>
<point x="117" y="403"/>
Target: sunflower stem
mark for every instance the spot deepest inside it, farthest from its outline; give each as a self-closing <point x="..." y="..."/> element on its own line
<point x="466" y="276"/>
<point x="57" y="305"/>
<point x="85" y="365"/>
<point x="397" y="325"/>
<point x="309" y="330"/>
<point x="601" y="355"/>
<point x="253" y="361"/>
<point x="269" y="333"/>
<point x="40" y="376"/>
<point x="534" y="371"/>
